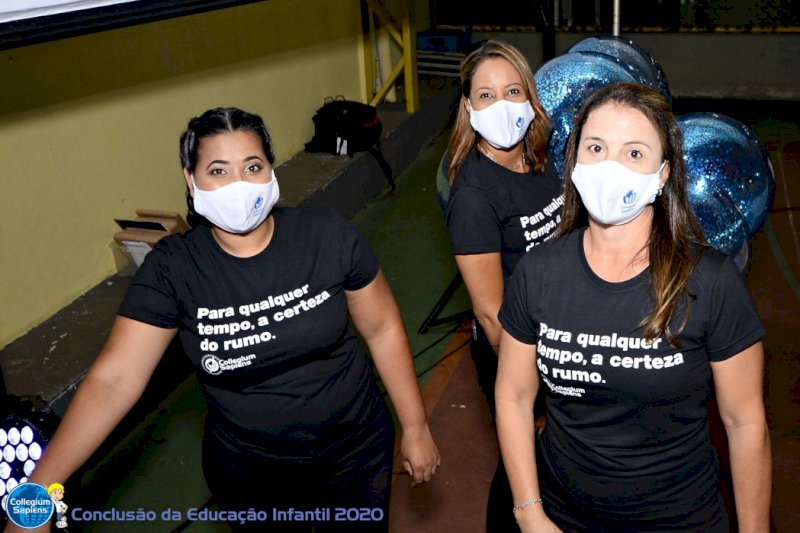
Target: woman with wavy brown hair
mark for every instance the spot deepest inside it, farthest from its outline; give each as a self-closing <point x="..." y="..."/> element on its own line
<point x="505" y="199"/>
<point x="628" y="323"/>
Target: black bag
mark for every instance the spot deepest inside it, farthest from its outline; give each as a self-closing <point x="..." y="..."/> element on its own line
<point x="345" y="127"/>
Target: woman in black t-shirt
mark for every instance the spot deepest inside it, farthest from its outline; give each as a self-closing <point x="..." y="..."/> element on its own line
<point x="505" y="199"/>
<point x="628" y="323"/>
<point x="261" y="296"/>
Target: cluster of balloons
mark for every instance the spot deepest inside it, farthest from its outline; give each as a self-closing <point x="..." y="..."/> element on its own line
<point x="731" y="183"/>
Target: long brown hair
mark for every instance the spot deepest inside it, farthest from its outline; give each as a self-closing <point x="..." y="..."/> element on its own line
<point x="463" y="139"/>
<point x="676" y="235"/>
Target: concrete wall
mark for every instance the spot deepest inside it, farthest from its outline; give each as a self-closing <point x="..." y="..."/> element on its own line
<point x="89" y="127"/>
<point x="748" y="66"/>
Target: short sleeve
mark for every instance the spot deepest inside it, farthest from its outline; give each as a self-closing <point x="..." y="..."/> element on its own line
<point x="359" y="261"/>
<point x="515" y="313"/>
<point x="151" y="295"/>
<point x="733" y="323"/>
<point x="473" y="223"/>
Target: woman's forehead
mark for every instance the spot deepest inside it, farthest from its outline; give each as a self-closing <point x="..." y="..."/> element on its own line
<point x="230" y="141"/>
<point x="616" y="119"/>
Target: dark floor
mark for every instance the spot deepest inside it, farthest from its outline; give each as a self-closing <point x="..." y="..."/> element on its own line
<point x="158" y="464"/>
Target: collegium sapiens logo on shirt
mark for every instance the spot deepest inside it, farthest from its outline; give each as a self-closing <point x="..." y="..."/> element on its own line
<point x="215" y="365"/>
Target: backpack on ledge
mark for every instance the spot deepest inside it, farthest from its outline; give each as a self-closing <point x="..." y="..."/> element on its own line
<point x="343" y="127"/>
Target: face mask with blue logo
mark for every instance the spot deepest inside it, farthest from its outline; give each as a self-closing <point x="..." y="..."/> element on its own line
<point x="238" y="207"/>
<point x="612" y="193"/>
<point x="503" y="124"/>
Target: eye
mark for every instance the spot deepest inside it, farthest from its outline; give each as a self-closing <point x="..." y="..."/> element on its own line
<point x="635" y="154"/>
<point x="254" y="168"/>
<point x="594" y="148"/>
<point x="217" y="172"/>
<point x="484" y="95"/>
<point x="514" y="92"/>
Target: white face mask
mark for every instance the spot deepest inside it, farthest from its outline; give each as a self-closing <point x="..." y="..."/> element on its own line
<point x="503" y="124"/>
<point x="614" y="194"/>
<point x="238" y="207"/>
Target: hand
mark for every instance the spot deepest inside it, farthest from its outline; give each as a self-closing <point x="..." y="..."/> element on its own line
<point x="419" y="454"/>
<point x="533" y="520"/>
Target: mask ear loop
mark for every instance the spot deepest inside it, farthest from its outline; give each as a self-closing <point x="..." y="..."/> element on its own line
<point x="660" y="186"/>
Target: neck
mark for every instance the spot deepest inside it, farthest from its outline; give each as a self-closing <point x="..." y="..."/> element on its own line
<point x="246" y="244"/>
<point x="512" y="158"/>
<point x="618" y="253"/>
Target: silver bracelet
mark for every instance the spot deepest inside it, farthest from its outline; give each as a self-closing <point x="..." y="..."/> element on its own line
<point x="525" y="504"/>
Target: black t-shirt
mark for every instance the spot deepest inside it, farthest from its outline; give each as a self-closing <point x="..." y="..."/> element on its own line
<point x="494" y="209"/>
<point x="268" y="335"/>
<point x="626" y="434"/>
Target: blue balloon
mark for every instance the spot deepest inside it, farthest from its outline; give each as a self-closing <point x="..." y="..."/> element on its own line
<point x="723" y="157"/>
<point x="731" y="184"/>
<point x="723" y="223"/>
<point x="564" y="84"/>
<point x="631" y="56"/>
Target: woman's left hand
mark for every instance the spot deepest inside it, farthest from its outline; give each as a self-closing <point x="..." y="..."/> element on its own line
<point x="419" y="454"/>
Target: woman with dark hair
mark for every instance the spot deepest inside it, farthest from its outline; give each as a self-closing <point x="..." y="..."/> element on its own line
<point x="630" y="323"/>
<point x="505" y="199"/>
<point x="261" y="297"/>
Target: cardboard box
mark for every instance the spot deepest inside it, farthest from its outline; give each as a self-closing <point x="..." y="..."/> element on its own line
<point x="138" y="235"/>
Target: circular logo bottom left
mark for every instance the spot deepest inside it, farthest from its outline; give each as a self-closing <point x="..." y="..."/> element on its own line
<point x="29" y="506"/>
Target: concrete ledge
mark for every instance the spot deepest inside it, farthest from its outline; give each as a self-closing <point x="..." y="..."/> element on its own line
<point x="348" y="183"/>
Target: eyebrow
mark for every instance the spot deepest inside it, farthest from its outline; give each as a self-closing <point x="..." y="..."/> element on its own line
<point x="486" y="87"/>
<point x="595" y="138"/>
<point x="223" y="162"/>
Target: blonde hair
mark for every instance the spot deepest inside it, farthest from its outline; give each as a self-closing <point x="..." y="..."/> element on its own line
<point x="55" y="486"/>
<point x="463" y="139"/>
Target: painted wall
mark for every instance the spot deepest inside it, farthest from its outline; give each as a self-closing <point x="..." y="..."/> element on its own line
<point x="754" y="66"/>
<point x="89" y="128"/>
